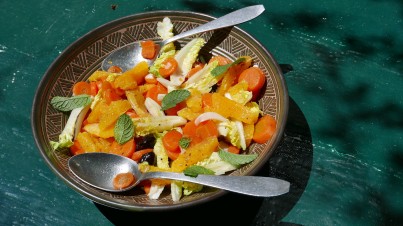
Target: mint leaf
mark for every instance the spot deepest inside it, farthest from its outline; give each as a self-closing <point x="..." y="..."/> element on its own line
<point x="124" y="129"/>
<point x="184" y="142"/>
<point x="70" y="103"/>
<point x="221" y="69"/>
<point x="195" y="170"/>
<point x="173" y="98"/>
<point x="236" y="159"/>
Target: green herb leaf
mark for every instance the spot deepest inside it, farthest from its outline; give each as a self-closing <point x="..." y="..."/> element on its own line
<point x="184" y="142"/>
<point x="124" y="129"/>
<point x="195" y="170"/>
<point x="236" y="159"/>
<point x="201" y="59"/>
<point x="173" y="98"/>
<point x="70" y="103"/>
<point x="221" y="69"/>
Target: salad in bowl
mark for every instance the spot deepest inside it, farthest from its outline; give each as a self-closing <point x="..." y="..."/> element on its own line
<point x="183" y="113"/>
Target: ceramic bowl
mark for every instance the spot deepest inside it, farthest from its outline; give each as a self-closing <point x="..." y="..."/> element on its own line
<point x="79" y="60"/>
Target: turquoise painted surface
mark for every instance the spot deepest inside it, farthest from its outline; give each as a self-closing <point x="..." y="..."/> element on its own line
<point x="343" y="146"/>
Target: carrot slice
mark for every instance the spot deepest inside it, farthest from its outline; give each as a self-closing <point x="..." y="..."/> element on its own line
<point x="207" y="129"/>
<point x="265" y="127"/>
<point x="168" y="67"/>
<point x="153" y="94"/>
<point x="254" y="77"/>
<point x="207" y="100"/>
<point x="150" y="79"/>
<point x="115" y="69"/>
<point x="221" y="60"/>
<point x="198" y="133"/>
<point x="76" y="148"/>
<point x="174" y="110"/>
<point x="146" y="185"/>
<point x="132" y="114"/>
<point x="123" y="180"/>
<point x="126" y="149"/>
<point x="120" y="92"/>
<point x="109" y="93"/>
<point x="171" y="141"/>
<point x="155" y="90"/>
<point x="99" y="84"/>
<point x="82" y="88"/>
<point x="93" y="88"/>
<point x="195" y="69"/>
<point x="189" y="130"/>
<point x="172" y="155"/>
<point x="233" y="149"/>
<point x="148" y="49"/>
<point x="106" y="85"/>
<point x="136" y="156"/>
<point x="195" y="140"/>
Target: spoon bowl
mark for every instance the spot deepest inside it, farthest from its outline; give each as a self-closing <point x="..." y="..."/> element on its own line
<point x="127" y="56"/>
<point x="99" y="169"/>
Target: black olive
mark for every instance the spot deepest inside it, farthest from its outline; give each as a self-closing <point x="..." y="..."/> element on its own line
<point x="145" y="142"/>
<point x="214" y="88"/>
<point x="149" y="157"/>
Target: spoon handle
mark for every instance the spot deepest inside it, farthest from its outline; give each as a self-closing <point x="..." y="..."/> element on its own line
<point x="248" y="185"/>
<point x="231" y="19"/>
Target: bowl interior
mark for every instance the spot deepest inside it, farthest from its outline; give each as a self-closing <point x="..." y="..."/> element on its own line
<point x="85" y="55"/>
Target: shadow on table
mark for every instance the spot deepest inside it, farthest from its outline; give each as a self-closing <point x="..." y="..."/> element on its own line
<point x="292" y="161"/>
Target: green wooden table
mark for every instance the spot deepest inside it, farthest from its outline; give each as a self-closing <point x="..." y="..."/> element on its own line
<point x="343" y="144"/>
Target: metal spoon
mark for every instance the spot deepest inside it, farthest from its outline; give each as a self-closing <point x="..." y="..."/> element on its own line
<point x="127" y="56"/>
<point x="99" y="170"/>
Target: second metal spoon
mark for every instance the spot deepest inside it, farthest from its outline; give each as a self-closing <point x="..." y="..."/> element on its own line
<point x="99" y="170"/>
<point x="127" y="56"/>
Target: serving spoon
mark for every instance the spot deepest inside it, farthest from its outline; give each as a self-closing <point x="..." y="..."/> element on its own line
<point x="99" y="170"/>
<point x="127" y="56"/>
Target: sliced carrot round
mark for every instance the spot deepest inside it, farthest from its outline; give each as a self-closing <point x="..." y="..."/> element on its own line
<point x="233" y="149"/>
<point x="195" y="69"/>
<point x="171" y="141"/>
<point x="207" y="129"/>
<point x="132" y="114"/>
<point x="155" y="90"/>
<point x="174" y="110"/>
<point x="127" y="149"/>
<point x="82" y="88"/>
<point x="168" y="67"/>
<point x="109" y="93"/>
<point x="195" y="140"/>
<point x="148" y="49"/>
<point x="254" y="77"/>
<point x="150" y="79"/>
<point x="221" y="60"/>
<point x="123" y="180"/>
<point x="76" y="148"/>
<point x="93" y="88"/>
<point x="136" y="156"/>
<point x="115" y="69"/>
<point x="189" y="130"/>
<point x="146" y="185"/>
<point x="265" y="127"/>
<point x="172" y="155"/>
<point x="207" y="100"/>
